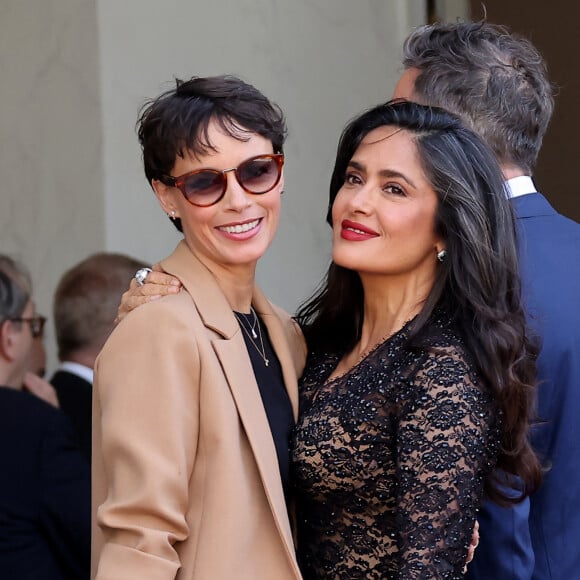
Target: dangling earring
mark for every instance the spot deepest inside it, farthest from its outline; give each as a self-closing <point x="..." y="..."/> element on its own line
<point x="442" y="255"/>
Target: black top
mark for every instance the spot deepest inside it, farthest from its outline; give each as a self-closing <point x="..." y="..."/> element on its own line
<point x="45" y="493"/>
<point x="273" y="392"/>
<point x="389" y="460"/>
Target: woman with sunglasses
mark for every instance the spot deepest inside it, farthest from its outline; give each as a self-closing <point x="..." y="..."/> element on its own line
<point x="196" y="394"/>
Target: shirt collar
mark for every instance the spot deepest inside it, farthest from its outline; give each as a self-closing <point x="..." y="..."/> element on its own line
<point x="77" y="369"/>
<point x="521" y="185"/>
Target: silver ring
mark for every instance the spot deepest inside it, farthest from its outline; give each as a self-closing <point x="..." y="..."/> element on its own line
<point x="141" y="275"/>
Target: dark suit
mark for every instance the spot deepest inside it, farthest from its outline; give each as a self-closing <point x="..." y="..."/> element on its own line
<point x="550" y="261"/>
<point x="44" y="493"/>
<point x="75" y="396"/>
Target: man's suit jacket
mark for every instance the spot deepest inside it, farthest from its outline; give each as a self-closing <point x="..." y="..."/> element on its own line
<point x="44" y="493"/>
<point x="75" y="396"/>
<point x="186" y="481"/>
<point x="550" y="262"/>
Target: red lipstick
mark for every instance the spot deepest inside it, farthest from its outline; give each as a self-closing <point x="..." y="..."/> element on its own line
<point x="355" y="232"/>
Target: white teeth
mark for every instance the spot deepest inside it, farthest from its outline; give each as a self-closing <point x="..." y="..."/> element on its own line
<point x="240" y="228"/>
<point x="357" y="231"/>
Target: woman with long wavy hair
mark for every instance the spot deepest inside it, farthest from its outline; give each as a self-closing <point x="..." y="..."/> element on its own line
<point x="420" y="377"/>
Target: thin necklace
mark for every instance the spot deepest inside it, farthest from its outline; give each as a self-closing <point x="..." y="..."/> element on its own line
<point x="252" y="333"/>
<point x="253" y="326"/>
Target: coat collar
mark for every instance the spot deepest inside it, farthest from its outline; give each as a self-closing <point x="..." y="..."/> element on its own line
<point x="532" y="205"/>
<point x="200" y="283"/>
<point x="230" y="348"/>
<point x="217" y="315"/>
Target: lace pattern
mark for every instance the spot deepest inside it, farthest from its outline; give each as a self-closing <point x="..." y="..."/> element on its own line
<point x="389" y="461"/>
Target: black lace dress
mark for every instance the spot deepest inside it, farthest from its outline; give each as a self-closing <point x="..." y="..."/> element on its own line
<point x="389" y="460"/>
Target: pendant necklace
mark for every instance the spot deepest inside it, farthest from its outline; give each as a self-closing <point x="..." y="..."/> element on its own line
<point x="252" y="334"/>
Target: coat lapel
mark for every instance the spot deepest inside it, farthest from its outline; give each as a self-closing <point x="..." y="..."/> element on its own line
<point x="231" y="351"/>
<point x="239" y="374"/>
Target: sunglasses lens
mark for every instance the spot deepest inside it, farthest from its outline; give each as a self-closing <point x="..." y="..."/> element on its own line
<point x="259" y="175"/>
<point x="204" y="187"/>
<point x="207" y="186"/>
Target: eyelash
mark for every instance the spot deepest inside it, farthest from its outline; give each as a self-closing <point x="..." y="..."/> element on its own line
<point x="354" y="179"/>
<point x="400" y="191"/>
<point x="350" y="177"/>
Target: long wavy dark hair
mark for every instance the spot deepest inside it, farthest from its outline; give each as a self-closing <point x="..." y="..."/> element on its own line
<point x="478" y="285"/>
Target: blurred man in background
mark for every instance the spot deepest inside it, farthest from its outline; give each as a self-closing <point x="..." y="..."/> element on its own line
<point x="84" y="308"/>
<point x="44" y="480"/>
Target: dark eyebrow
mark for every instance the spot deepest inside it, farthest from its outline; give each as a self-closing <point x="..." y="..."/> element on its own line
<point x="383" y="173"/>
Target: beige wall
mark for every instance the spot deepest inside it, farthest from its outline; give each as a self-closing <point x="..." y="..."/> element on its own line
<point x="51" y="194"/>
<point x="75" y="72"/>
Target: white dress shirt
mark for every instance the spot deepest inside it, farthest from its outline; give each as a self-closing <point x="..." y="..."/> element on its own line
<point x="77" y="369"/>
<point x="521" y="185"/>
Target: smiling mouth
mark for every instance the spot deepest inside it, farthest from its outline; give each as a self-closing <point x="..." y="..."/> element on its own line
<point x="356" y="231"/>
<point x="240" y="228"/>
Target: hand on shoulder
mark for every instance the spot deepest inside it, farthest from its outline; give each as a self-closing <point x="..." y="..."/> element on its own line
<point x="157" y="284"/>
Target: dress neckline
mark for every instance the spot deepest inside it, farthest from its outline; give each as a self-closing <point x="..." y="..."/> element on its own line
<point x="365" y="355"/>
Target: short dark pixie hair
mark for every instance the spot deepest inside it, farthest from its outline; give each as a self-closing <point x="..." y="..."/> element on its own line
<point x="178" y="120"/>
<point x="495" y="80"/>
